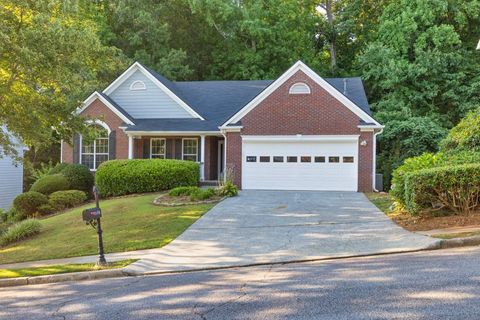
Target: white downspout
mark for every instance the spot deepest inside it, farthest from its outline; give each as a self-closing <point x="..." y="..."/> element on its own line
<point x="375" y="158"/>
<point x="224" y="155"/>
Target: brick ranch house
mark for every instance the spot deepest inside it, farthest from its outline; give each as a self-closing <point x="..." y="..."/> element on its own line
<point x="298" y="132"/>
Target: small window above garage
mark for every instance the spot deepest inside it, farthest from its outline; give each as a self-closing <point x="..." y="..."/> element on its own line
<point x="299" y="88"/>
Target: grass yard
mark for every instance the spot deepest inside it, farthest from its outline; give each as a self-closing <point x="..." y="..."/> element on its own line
<point x="128" y="223"/>
<point x="381" y="200"/>
<point x="68" y="268"/>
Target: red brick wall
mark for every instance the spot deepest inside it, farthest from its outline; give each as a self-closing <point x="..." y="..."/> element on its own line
<point x="318" y="113"/>
<point x="99" y="111"/>
<point x="234" y="156"/>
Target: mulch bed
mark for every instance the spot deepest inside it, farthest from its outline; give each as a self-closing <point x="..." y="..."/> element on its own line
<point x="432" y="221"/>
<point x="168" y="201"/>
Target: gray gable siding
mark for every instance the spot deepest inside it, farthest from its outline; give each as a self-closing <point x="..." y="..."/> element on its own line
<point x="11" y="181"/>
<point x="152" y="103"/>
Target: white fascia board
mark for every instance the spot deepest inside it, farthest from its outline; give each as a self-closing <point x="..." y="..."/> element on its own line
<point x="302" y="138"/>
<point x="230" y="128"/>
<point x="300" y="66"/>
<point x="137" y="66"/>
<point x="173" y="133"/>
<point x="98" y="96"/>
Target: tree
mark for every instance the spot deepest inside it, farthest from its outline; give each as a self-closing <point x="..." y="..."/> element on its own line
<point x="50" y="59"/>
<point x="403" y="139"/>
<point x="259" y="39"/>
<point x="139" y="29"/>
<point x="422" y="65"/>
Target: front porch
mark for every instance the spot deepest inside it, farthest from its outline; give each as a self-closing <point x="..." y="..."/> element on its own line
<point x="207" y="150"/>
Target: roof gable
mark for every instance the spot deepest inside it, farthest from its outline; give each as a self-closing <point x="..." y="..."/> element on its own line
<point x="107" y="101"/>
<point x="159" y="100"/>
<point x="300" y="66"/>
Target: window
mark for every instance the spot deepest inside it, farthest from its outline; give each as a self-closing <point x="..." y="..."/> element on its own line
<point x="334" y="159"/>
<point x="305" y="159"/>
<point x="348" y="159"/>
<point x="277" y="159"/>
<point x="95" y="152"/>
<point x="264" y="159"/>
<point x="157" y="148"/>
<point x="299" y="88"/>
<point x="251" y="159"/>
<point x="190" y="149"/>
<point x="138" y="85"/>
<point x="291" y="159"/>
<point x="319" y="159"/>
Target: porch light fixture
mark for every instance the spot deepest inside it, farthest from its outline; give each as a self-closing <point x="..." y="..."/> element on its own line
<point x="363" y="143"/>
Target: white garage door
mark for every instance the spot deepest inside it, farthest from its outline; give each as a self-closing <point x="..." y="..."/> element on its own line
<point x="300" y="163"/>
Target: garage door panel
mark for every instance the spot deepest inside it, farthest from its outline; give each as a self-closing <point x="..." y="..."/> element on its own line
<point x="300" y="175"/>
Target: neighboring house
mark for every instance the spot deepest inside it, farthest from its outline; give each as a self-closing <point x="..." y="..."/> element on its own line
<point x="11" y="177"/>
<point x="298" y="132"/>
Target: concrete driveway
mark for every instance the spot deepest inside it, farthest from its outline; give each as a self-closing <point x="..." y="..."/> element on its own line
<point x="281" y="226"/>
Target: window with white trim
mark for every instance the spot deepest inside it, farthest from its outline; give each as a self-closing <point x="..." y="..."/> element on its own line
<point x="138" y="85"/>
<point x="190" y="149"/>
<point x="157" y="148"/>
<point x="95" y="152"/>
<point x="299" y="88"/>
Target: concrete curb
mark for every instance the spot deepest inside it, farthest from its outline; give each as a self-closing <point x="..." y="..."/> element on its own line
<point x="74" y="276"/>
<point x="117" y="273"/>
<point x="459" y="242"/>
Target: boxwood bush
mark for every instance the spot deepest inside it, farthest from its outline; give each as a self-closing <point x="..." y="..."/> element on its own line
<point x="119" y="177"/>
<point x="28" y="203"/>
<point x="79" y="177"/>
<point x="456" y="187"/>
<point x="19" y="231"/>
<point x="66" y="199"/>
<point x="51" y="183"/>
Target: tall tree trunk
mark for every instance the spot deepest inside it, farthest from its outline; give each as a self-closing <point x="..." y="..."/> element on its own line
<point x="333" y="36"/>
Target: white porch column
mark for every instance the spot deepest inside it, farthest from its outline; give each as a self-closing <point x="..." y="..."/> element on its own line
<point x="202" y="157"/>
<point x="130" y="147"/>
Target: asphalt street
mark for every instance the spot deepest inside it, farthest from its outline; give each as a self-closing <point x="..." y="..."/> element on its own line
<point x="443" y="284"/>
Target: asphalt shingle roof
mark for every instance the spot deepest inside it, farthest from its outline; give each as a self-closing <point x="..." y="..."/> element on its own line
<point x="217" y="101"/>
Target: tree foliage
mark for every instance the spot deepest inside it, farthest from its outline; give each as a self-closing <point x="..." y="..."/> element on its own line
<point x="50" y="58"/>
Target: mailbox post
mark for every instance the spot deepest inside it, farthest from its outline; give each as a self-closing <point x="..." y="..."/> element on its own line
<point x="92" y="217"/>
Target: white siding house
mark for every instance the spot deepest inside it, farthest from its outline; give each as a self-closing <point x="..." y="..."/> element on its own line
<point x="11" y="179"/>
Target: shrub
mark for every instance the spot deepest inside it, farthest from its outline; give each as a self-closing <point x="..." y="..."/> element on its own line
<point x="465" y="136"/>
<point x="182" y="191"/>
<point x="46" y="209"/>
<point x="119" y="177"/>
<point x="456" y="187"/>
<point x="202" y="194"/>
<point x="426" y="160"/>
<point x="20" y="230"/>
<point x="66" y="199"/>
<point x="50" y="184"/>
<point x="228" y="189"/>
<point x="58" y="168"/>
<point x="79" y="177"/>
<point x="27" y="203"/>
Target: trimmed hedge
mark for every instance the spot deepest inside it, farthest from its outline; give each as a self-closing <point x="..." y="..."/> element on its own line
<point x="20" y="230"/>
<point x="456" y="187"/>
<point x="426" y="161"/>
<point x="28" y="203"/>
<point x="79" y="177"/>
<point x="50" y="184"/>
<point x="66" y="199"/>
<point x="119" y="177"/>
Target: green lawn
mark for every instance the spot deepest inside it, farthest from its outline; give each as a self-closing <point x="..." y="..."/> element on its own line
<point x="68" y="268"/>
<point x="129" y="223"/>
<point x="382" y="201"/>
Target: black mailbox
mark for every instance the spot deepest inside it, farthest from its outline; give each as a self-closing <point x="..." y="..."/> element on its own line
<point x="91" y="214"/>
